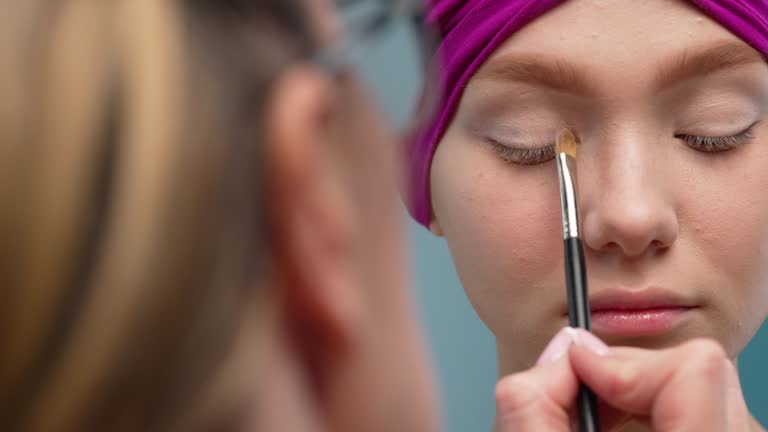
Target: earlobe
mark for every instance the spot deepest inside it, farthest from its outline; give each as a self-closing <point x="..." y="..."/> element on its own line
<point x="435" y="228"/>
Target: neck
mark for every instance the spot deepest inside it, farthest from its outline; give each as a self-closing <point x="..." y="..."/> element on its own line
<point x="511" y="360"/>
<point x="284" y="401"/>
<point x="756" y="427"/>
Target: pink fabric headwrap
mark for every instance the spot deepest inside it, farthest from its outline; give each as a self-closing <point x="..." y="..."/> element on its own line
<point x="472" y="30"/>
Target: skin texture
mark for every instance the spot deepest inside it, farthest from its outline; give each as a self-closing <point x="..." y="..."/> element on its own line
<point x="655" y="212"/>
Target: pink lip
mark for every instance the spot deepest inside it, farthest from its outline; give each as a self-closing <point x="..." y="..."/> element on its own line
<point x="638" y="322"/>
<point x="624" y="312"/>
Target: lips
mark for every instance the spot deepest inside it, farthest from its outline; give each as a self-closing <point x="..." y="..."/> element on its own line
<point x="624" y="312"/>
<point x="638" y="322"/>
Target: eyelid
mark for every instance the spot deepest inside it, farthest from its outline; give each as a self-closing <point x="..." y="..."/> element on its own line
<point x="719" y="144"/>
<point x="523" y="155"/>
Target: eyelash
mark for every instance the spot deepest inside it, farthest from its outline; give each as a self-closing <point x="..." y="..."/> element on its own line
<point x="710" y="144"/>
<point x="523" y="156"/>
<point x="704" y="144"/>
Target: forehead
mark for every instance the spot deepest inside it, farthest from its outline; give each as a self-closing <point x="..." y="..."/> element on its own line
<point x="626" y="36"/>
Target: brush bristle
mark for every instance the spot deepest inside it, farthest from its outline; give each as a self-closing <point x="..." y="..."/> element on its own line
<point x="566" y="143"/>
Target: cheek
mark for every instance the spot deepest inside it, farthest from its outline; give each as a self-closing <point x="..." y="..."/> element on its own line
<point x="502" y="224"/>
<point x="726" y="219"/>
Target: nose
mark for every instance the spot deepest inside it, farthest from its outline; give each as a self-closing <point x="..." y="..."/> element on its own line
<point x="626" y="206"/>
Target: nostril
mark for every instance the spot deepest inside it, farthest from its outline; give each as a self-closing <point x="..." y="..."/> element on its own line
<point x="610" y="247"/>
<point x="630" y="229"/>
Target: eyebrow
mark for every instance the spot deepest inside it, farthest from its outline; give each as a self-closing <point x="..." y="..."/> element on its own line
<point x="569" y="77"/>
<point x="701" y="62"/>
<point x="538" y="71"/>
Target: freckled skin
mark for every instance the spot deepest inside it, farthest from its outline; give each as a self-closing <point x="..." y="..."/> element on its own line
<point x="654" y="211"/>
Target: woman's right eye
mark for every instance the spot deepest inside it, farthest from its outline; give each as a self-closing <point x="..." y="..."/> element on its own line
<point x="522" y="155"/>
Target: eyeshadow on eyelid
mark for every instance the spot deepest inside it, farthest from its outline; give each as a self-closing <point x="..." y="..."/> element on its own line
<point x="519" y="139"/>
<point x="717" y="121"/>
<point x="523" y="126"/>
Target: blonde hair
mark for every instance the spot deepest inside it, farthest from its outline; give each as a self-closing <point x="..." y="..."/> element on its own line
<point x="131" y="227"/>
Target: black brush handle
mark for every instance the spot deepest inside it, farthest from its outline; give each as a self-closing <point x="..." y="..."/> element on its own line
<point x="578" y="315"/>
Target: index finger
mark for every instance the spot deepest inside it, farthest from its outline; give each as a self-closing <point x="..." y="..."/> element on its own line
<point x="681" y="388"/>
<point x="543" y="397"/>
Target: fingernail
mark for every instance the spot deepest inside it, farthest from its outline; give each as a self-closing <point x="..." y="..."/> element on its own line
<point x="588" y="340"/>
<point x="557" y="347"/>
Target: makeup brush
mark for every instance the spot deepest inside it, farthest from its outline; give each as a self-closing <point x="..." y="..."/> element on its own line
<point x="575" y="269"/>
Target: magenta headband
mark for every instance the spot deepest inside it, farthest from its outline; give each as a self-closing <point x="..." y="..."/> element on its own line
<point x="472" y="30"/>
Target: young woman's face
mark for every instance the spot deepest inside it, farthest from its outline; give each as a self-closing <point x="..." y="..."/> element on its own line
<point x="672" y="113"/>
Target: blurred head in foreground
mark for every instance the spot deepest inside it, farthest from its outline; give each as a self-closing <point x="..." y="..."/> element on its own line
<point x="199" y="228"/>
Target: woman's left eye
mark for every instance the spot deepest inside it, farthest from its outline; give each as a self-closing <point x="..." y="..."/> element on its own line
<point x="718" y="144"/>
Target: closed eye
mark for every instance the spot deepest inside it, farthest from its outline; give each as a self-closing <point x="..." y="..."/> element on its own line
<point x="718" y="144"/>
<point x="523" y="156"/>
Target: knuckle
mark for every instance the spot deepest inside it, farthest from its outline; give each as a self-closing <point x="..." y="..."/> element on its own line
<point x="705" y="358"/>
<point x="623" y="381"/>
<point x="516" y="393"/>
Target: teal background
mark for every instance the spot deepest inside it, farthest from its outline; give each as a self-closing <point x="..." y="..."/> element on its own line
<point x="463" y="349"/>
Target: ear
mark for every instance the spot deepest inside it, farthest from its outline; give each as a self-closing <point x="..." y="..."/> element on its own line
<point x="311" y="220"/>
<point x="435" y="227"/>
